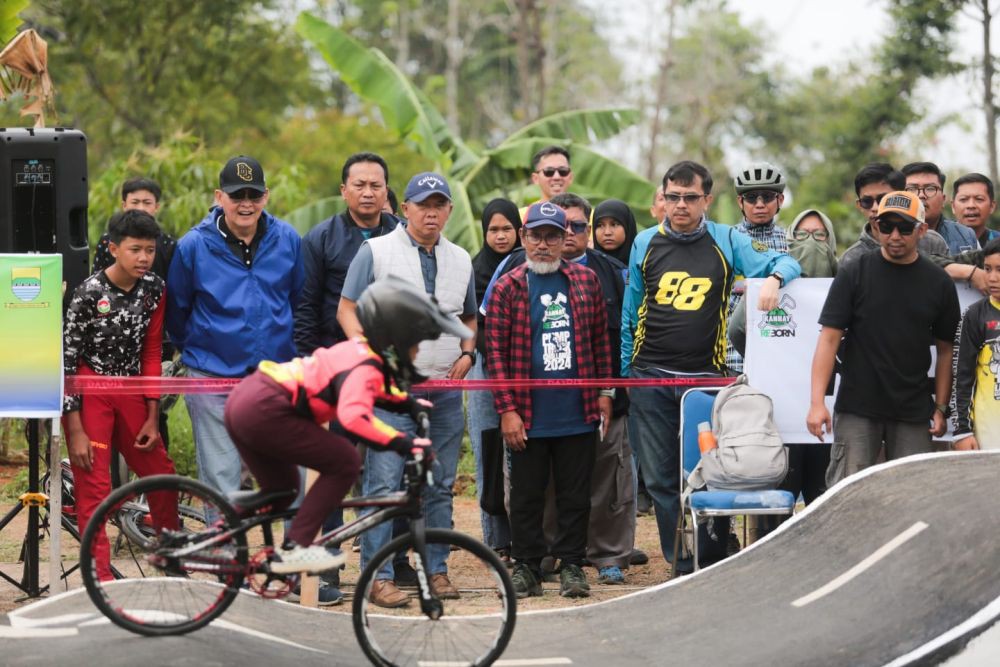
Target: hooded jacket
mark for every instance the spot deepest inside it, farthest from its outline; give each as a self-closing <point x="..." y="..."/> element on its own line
<point x="225" y="317"/>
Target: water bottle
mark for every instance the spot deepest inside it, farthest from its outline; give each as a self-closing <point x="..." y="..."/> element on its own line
<point x="706" y="439"/>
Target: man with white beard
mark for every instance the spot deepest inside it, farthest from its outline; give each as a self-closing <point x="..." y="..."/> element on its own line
<point x="547" y="320"/>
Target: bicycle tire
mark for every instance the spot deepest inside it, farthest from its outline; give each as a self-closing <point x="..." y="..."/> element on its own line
<point x="134" y="526"/>
<point x="406" y="636"/>
<point x="145" y="605"/>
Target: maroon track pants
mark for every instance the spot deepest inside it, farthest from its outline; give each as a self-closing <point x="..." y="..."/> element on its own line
<point x="274" y="440"/>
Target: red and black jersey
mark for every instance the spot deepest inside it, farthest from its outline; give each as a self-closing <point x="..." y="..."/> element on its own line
<point x="113" y="331"/>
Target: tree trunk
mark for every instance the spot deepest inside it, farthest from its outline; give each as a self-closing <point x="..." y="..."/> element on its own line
<point x="530" y="55"/>
<point x="403" y="35"/>
<point x="663" y="77"/>
<point x="989" y="106"/>
<point x="453" y="47"/>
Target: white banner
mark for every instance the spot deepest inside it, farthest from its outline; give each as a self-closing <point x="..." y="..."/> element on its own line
<point x="780" y="347"/>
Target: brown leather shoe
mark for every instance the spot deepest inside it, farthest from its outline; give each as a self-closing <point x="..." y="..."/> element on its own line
<point x="442" y="587"/>
<point x="386" y="594"/>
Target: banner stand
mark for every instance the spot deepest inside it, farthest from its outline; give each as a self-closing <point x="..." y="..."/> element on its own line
<point x="33" y="500"/>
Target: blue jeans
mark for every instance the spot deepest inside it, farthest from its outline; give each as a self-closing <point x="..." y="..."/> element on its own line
<point x="481" y="416"/>
<point x="384" y="472"/>
<point x="219" y="463"/>
<point x="654" y="432"/>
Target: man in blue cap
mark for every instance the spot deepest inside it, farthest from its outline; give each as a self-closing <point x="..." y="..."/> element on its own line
<point x="418" y="253"/>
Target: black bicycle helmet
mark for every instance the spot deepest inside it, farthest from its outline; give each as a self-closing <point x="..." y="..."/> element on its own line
<point x="395" y="316"/>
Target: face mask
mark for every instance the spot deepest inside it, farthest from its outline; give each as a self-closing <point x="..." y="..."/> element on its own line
<point x="816" y="257"/>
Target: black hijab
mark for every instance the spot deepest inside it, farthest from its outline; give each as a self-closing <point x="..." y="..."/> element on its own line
<point x="487" y="260"/>
<point x="618" y="210"/>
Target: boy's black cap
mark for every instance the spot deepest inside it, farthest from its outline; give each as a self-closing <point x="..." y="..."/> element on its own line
<point x="242" y="173"/>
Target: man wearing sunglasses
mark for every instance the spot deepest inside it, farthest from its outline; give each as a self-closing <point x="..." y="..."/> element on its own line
<point x="551" y="172"/>
<point x="871" y="184"/>
<point x="925" y="180"/>
<point x="233" y="283"/>
<point x="760" y="191"/>
<point x="673" y="326"/>
<point x="887" y="308"/>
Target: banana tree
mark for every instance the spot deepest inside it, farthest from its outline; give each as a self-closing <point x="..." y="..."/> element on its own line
<point x="474" y="177"/>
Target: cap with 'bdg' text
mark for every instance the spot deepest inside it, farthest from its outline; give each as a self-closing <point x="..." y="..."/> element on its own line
<point x="242" y="173"/>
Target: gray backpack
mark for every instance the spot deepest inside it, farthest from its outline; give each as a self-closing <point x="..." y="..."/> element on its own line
<point x="750" y="455"/>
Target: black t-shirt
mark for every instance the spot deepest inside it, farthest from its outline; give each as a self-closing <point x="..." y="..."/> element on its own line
<point x="891" y="314"/>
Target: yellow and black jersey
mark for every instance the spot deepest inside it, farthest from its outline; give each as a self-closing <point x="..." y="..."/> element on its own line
<point x="977" y="376"/>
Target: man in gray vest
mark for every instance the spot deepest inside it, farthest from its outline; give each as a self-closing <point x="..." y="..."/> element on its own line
<point x="419" y="253"/>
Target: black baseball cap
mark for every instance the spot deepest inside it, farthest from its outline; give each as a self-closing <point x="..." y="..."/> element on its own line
<point x="242" y="173"/>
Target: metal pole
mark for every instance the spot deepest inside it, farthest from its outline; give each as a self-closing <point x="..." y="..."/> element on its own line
<point x="55" y="509"/>
<point x="31" y="541"/>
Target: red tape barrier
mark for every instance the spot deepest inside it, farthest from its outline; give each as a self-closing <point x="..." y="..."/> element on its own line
<point x="105" y="385"/>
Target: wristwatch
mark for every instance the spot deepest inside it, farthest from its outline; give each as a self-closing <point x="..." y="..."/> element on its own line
<point x="781" y="278"/>
<point x="471" y="354"/>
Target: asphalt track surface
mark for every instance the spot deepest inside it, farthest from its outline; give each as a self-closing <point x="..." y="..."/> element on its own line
<point x="897" y="565"/>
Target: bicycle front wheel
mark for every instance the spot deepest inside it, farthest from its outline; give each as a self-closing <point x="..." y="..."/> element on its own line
<point x="472" y="629"/>
<point x="182" y="569"/>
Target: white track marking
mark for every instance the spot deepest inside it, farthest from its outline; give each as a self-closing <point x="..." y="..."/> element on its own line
<point x="867" y="563"/>
<point x="515" y="662"/>
<point x="10" y="632"/>
<point x="65" y="619"/>
<point x="219" y="623"/>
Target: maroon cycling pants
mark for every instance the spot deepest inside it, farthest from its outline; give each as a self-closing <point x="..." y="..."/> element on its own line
<point x="274" y="440"/>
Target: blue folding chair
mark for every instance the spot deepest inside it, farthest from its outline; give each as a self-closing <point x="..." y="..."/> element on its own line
<point x="696" y="407"/>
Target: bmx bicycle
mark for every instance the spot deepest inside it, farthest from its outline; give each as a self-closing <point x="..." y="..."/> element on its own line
<point x="200" y="568"/>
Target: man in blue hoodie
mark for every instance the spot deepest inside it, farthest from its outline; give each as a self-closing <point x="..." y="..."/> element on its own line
<point x="233" y="283"/>
<point x="674" y="326"/>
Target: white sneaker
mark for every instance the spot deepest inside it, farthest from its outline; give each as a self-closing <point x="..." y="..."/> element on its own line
<point x="312" y="559"/>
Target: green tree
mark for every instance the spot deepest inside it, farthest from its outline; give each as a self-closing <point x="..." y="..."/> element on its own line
<point x="132" y="74"/>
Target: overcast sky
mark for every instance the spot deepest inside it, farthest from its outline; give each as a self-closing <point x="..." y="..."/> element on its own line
<point x="809" y="33"/>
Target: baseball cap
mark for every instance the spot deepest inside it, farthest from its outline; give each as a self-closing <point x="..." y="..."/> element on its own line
<point x="902" y="204"/>
<point x="545" y="214"/>
<point x="425" y="184"/>
<point x="242" y="173"/>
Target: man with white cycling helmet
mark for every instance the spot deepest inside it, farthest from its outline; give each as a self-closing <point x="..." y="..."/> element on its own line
<point x="760" y="189"/>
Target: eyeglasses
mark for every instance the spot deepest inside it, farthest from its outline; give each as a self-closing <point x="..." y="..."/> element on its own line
<point x="552" y="238"/>
<point x="888" y="226"/>
<point x="766" y="195"/>
<point x="928" y="190"/>
<point x="246" y="195"/>
<point x="673" y="197"/>
<point x="549" y="172"/>
<point x="867" y="202"/>
<point x="803" y="234"/>
<point x="578" y="226"/>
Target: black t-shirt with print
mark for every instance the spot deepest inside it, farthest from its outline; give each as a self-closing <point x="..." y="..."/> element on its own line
<point x="892" y="314"/>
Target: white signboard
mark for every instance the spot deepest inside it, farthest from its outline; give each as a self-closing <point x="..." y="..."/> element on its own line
<point x="780" y="347"/>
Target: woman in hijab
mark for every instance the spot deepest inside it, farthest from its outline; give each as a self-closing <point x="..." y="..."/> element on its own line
<point x="501" y="223"/>
<point x="614" y="229"/>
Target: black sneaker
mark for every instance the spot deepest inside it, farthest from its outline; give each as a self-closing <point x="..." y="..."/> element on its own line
<point x="573" y="582"/>
<point x="404" y="575"/>
<point x="526" y="584"/>
<point x="643" y="504"/>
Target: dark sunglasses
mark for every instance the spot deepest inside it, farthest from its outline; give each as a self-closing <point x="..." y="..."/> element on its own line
<point x="246" y="194"/>
<point x="688" y="198"/>
<point x="766" y="195"/>
<point x="867" y="202"/>
<point x="802" y="234"/>
<point x="549" y="172"/>
<point x="887" y="226"/>
<point x="577" y="226"/>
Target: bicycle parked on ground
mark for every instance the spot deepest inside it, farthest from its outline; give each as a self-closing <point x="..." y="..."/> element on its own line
<point x="201" y="571"/>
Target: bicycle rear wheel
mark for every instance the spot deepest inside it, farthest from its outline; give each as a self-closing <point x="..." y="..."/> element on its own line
<point x="184" y="570"/>
<point x="471" y="630"/>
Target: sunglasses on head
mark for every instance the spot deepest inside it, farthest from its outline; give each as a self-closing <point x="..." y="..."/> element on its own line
<point x="867" y="202"/>
<point x="766" y="195"/>
<point x="578" y="226"/>
<point x="246" y="194"/>
<point x="549" y="172"/>
<point x="887" y="226"/>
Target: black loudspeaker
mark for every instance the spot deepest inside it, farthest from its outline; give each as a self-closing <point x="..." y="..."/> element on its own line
<point x="43" y="196"/>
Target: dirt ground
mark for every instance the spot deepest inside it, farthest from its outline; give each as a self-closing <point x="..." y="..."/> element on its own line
<point x="466" y="520"/>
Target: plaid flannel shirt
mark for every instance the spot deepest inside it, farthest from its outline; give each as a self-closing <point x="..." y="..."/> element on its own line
<point x="508" y="337"/>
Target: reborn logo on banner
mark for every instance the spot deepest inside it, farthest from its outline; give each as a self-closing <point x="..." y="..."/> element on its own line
<point x="778" y="323"/>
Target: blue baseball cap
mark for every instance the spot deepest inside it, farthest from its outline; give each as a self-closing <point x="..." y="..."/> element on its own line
<point x="545" y="213"/>
<point x="424" y="185"/>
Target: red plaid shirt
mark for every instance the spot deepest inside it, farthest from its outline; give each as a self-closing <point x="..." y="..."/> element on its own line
<point x="508" y="337"/>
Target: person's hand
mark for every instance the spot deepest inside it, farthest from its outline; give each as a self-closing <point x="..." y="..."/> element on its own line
<point x="460" y="368"/>
<point x="966" y="444"/>
<point x="148" y="437"/>
<point x="81" y="454"/>
<point x="419" y="406"/>
<point x="604" y="405"/>
<point x="939" y="424"/>
<point x="978" y="280"/>
<point x="817" y="419"/>
<point x="512" y="430"/>
<point x="768" y="299"/>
